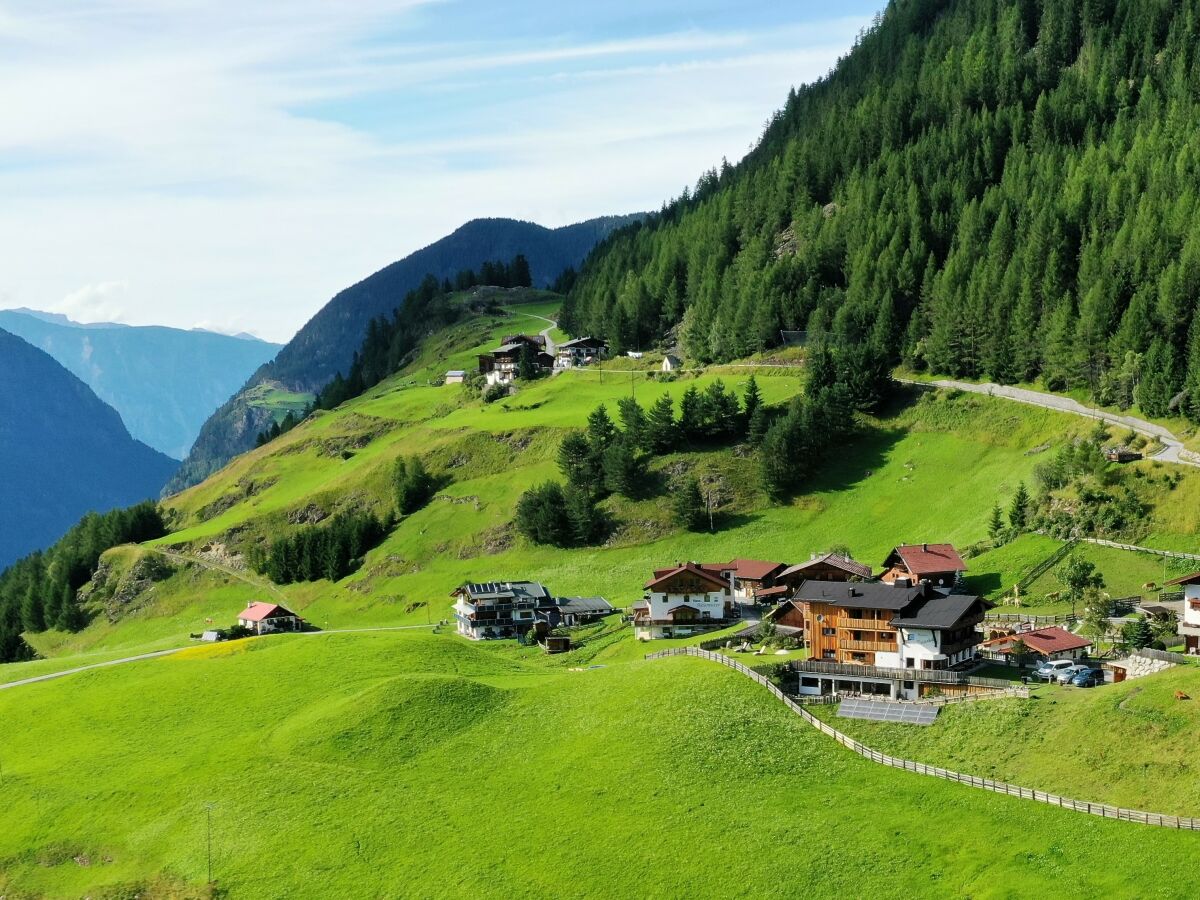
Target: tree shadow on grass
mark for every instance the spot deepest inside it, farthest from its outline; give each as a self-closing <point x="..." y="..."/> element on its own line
<point x="852" y="460"/>
<point x="984" y="583"/>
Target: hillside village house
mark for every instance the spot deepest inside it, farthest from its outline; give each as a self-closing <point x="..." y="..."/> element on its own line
<point x="1189" y="622"/>
<point x="1049" y="643"/>
<point x="885" y="631"/>
<point x="266" y="618"/>
<point x="938" y="564"/>
<point x="579" y="352"/>
<point x="682" y="601"/>
<point x="501" y="365"/>
<point x="503" y="609"/>
<point x="748" y="579"/>
<point x="824" y="567"/>
<point x="497" y="609"/>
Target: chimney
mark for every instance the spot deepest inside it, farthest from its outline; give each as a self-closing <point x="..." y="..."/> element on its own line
<point x="925" y="547"/>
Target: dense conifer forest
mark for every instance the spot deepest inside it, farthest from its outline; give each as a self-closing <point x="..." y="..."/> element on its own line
<point x="982" y="188"/>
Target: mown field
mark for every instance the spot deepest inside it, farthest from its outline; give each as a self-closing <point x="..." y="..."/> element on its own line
<point x="1131" y="744"/>
<point x="412" y="764"/>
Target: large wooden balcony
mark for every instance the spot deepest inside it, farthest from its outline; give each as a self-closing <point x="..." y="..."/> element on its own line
<point x="873" y="646"/>
<point x="864" y="624"/>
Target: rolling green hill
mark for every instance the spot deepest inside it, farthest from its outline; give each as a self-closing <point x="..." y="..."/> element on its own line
<point x="418" y="765"/>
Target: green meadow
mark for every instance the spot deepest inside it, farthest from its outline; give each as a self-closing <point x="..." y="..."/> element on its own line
<point x="413" y="764"/>
<point x="1131" y="744"/>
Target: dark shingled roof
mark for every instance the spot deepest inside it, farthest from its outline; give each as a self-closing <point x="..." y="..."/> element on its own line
<point x="583" y="605"/>
<point x="936" y="611"/>
<point x="866" y="595"/>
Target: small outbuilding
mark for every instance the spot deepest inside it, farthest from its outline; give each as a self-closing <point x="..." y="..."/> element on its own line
<point x="671" y="362"/>
<point x="456" y="376"/>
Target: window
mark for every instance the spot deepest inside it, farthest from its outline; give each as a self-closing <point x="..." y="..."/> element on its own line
<point x="809" y="682"/>
<point x="828" y="654"/>
<point x="858" y="657"/>
<point x="829" y="632"/>
<point x="910" y="663"/>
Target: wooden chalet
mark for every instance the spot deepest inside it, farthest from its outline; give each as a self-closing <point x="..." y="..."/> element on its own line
<point x="1189" y="621"/>
<point x="748" y="578"/>
<point x="824" y="567"/>
<point x="1053" y="642"/>
<point x="579" y="352"/>
<point x="502" y="364"/>
<point x="910" y="564"/>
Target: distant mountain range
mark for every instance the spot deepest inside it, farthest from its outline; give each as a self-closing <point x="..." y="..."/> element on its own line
<point x="326" y="344"/>
<point x="63" y="452"/>
<point x="164" y="382"/>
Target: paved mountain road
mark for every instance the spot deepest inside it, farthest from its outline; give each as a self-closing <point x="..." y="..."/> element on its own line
<point x="1173" y="450"/>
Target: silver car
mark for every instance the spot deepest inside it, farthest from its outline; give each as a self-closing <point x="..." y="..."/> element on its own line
<point x="1065" y="675"/>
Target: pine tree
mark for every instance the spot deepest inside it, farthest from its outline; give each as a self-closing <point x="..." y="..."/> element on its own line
<point x="661" y="430"/>
<point x="527" y="363"/>
<point x="751" y="401"/>
<point x="1018" y="510"/>
<point x="995" y="523"/>
<point x="688" y="506"/>
<point x="633" y="421"/>
<point x="759" y="423"/>
<point x="691" y="415"/>
<point x="624" y="469"/>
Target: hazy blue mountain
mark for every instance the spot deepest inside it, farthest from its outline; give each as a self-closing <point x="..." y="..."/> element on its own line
<point x="163" y="381"/>
<point x="63" y="452"/>
<point x="326" y="344"/>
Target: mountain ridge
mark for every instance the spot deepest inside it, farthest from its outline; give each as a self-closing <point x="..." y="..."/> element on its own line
<point x="164" y="382"/>
<point x="63" y="450"/>
<point x="326" y="344"/>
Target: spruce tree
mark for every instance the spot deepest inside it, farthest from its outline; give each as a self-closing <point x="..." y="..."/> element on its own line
<point x="1018" y="510"/>
<point x="751" y="401"/>
<point x="688" y="506"/>
<point x="661" y="428"/>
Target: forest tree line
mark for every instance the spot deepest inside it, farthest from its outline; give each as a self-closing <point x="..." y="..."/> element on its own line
<point x="41" y="591"/>
<point x="1000" y="189"/>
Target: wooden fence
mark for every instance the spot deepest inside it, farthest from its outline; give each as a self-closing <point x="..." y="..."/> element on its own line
<point x="987" y="784"/>
<point x="1037" y="621"/>
<point x="1044" y="566"/>
<point x="1136" y="549"/>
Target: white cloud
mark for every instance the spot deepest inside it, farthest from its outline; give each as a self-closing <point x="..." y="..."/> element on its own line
<point x="238" y="163"/>
<point x="103" y="302"/>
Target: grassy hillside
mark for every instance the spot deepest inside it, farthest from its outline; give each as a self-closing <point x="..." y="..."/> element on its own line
<point x="418" y="765"/>
<point x="928" y="469"/>
<point x="1131" y="744"/>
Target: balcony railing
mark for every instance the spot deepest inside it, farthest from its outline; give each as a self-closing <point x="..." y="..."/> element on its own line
<point x="874" y="646"/>
<point x="865" y="624"/>
<point x="853" y="670"/>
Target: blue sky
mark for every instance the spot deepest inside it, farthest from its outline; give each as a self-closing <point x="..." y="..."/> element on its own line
<point x="233" y="164"/>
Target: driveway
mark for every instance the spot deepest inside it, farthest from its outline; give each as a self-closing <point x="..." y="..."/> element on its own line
<point x="1172" y="452"/>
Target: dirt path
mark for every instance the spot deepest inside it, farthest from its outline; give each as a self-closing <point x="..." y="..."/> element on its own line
<point x="1173" y="450"/>
<point x="218" y="567"/>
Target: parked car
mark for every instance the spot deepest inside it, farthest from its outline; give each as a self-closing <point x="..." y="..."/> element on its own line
<point x="1065" y="676"/>
<point x="1051" y="668"/>
<point x="1088" y="678"/>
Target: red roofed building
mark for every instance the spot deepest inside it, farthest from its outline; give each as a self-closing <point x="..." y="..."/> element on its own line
<point x="1054" y="642"/>
<point x="688" y="599"/>
<point x="265" y="618"/>
<point x="939" y="564"/>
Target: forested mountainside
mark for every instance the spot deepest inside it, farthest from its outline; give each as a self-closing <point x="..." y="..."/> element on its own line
<point x="63" y="452"/>
<point x="325" y="346"/>
<point x="982" y="188"/>
<point x="163" y="381"/>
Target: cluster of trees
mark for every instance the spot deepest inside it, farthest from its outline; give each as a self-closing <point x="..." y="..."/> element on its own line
<point x="993" y="188"/>
<point x="414" y="486"/>
<point x="41" y="591"/>
<point x="1077" y="492"/>
<point x="330" y="550"/>
<point x="496" y="273"/>
<point x="841" y="380"/>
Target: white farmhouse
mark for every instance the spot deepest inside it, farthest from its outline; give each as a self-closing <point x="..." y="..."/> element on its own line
<point x="1189" y="622"/>
<point x="681" y="601"/>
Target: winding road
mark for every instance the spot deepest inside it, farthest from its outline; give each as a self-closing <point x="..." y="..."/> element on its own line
<point x="1173" y="450"/>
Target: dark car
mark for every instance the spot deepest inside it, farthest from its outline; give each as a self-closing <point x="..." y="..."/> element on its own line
<point x="1088" y="678"/>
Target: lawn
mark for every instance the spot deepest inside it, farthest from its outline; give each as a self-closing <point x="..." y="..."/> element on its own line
<point x="420" y="765"/>
<point x="1130" y="744"/>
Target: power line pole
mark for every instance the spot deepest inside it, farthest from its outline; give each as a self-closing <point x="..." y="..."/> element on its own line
<point x="208" y="808"/>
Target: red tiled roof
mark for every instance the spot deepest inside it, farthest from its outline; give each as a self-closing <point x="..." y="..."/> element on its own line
<point x="926" y="559"/>
<point x="1053" y="639"/>
<point x="256" y="612"/>
<point x="1194" y="578"/>
<point x="661" y="575"/>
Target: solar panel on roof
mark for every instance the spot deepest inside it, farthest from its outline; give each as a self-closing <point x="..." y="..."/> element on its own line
<point x="885" y="711"/>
